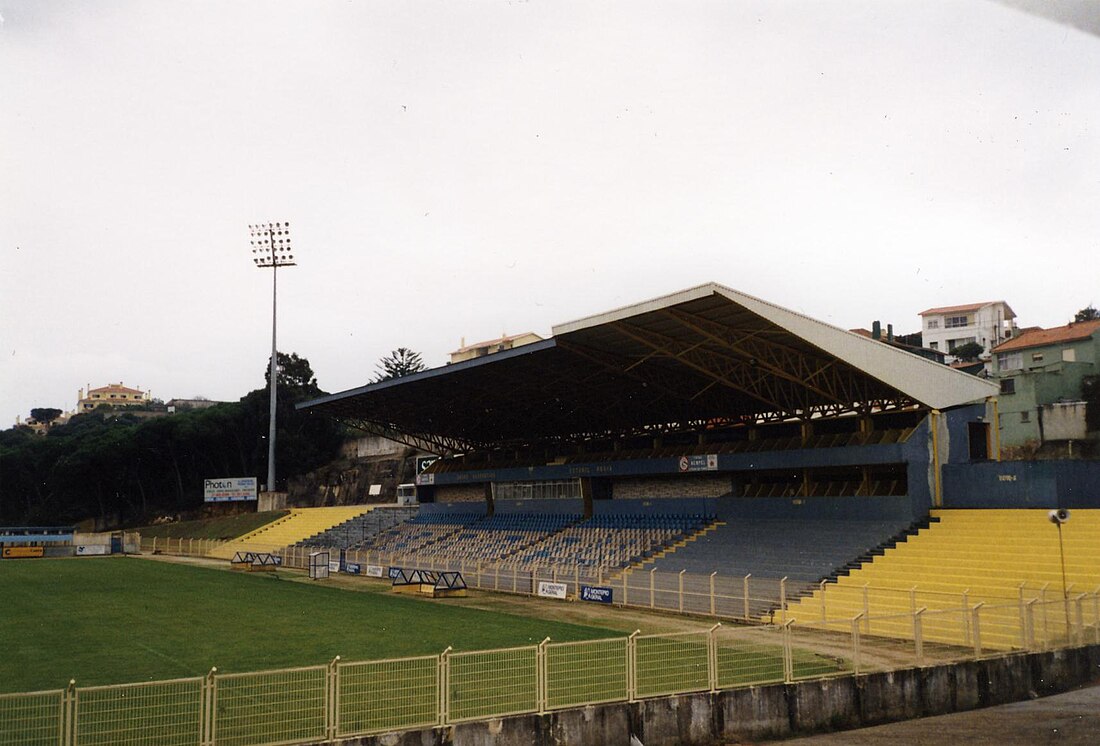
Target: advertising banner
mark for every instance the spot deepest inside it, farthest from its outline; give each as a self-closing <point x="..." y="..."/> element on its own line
<point x="351" y="568"/>
<point x="552" y="590"/>
<point x="85" y="550"/>
<point x="375" y="571"/>
<point x="333" y="566"/>
<point x="229" y="489"/>
<point x="699" y="463"/>
<point x="596" y="593"/>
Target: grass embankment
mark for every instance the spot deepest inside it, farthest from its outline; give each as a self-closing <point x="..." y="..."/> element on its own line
<point x="222" y="528"/>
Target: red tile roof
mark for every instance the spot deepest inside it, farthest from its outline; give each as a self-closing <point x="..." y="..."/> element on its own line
<point x="963" y="308"/>
<point x="1054" y="335"/>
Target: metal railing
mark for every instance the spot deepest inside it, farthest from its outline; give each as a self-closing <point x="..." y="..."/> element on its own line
<point x="351" y="699"/>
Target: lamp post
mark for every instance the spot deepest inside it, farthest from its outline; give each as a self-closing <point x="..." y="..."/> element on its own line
<point x="271" y="248"/>
<point x="1058" y="517"/>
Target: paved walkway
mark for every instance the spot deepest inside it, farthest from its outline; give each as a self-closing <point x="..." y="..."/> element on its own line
<point x="1071" y="719"/>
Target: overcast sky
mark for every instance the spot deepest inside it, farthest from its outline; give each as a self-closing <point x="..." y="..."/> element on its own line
<point x="465" y="169"/>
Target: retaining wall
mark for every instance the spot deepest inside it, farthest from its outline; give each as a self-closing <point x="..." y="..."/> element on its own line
<point x="779" y="710"/>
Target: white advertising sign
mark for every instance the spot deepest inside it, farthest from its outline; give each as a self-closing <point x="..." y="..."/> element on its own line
<point x="374" y="571"/>
<point x="552" y="590"/>
<point x="229" y="489"/>
<point x="85" y="550"/>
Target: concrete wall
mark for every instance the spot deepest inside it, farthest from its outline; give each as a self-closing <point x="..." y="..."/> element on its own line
<point x="780" y="710"/>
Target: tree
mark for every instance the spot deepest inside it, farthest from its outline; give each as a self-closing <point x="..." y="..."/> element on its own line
<point x="45" y="415"/>
<point x="1088" y="313"/>
<point x="968" y="351"/>
<point x="293" y="371"/>
<point x="401" y="362"/>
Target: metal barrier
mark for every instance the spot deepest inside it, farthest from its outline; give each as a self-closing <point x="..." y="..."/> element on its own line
<point x="350" y="699"/>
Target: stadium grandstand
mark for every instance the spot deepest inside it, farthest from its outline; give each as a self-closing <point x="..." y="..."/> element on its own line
<point x="707" y="430"/>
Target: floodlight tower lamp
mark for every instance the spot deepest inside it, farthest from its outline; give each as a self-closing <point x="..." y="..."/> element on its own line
<point x="271" y="248"/>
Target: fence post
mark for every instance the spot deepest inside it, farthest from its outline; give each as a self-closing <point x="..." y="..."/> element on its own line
<point x="1030" y="624"/>
<point x="1079" y="636"/>
<point x="577" y="579"/>
<point x="599" y="575"/>
<point x="496" y="577"/>
<point x="154" y="545"/>
<point x="68" y="713"/>
<point x="332" y="711"/>
<point x="788" y="665"/>
<point x="681" y="586"/>
<point x="712" y="657"/>
<point x="745" y="593"/>
<point x="783" y="596"/>
<point x="913" y="600"/>
<point x="444" y="685"/>
<point x="855" y="643"/>
<point x="1023" y="619"/>
<point x="541" y="677"/>
<point x="976" y="629"/>
<point x="651" y="584"/>
<point x="632" y="666"/>
<point x="821" y="586"/>
<point x="626" y="583"/>
<point x="712" y="592"/>
<point x="210" y="717"/>
<point x="918" y="634"/>
<point x="866" y="609"/>
<point x="966" y="616"/>
<point x="1046" y="614"/>
<point x="1096" y="616"/>
<point x="515" y="585"/>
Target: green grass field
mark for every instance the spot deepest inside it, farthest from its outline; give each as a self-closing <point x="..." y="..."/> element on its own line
<point x="117" y="620"/>
<point x="125" y="621"/>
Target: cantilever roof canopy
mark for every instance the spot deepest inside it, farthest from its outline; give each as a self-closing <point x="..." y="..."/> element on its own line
<point x="672" y="363"/>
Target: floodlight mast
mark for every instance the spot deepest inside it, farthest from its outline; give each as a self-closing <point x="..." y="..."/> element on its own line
<point x="271" y="248"/>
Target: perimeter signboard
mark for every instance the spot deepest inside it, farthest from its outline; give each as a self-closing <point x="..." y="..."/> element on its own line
<point x="229" y="489"/>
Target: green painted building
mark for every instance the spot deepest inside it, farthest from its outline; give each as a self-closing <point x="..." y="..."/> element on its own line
<point x="1044" y="375"/>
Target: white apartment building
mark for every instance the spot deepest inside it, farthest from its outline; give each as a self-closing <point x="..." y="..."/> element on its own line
<point x="989" y="324"/>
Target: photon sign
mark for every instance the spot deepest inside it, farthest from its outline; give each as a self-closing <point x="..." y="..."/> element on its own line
<point x="229" y="489"/>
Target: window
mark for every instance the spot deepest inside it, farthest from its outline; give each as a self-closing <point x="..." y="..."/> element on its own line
<point x="1025" y="416"/>
<point x="933" y="323"/>
<point x="1008" y="386"/>
<point x="933" y="345"/>
<point x="955" y="322"/>
<point x="1010" y="361"/>
<point x="1036" y="357"/>
<point x="953" y="343"/>
<point x="1069" y="355"/>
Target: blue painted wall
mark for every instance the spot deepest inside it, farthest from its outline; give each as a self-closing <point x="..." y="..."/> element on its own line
<point x="1022" y="484"/>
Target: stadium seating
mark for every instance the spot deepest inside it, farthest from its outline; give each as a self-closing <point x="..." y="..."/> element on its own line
<point x="533" y="540"/>
<point x="498" y="537"/>
<point x="611" y="541"/>
<point x="417" y="533"/>
<point x="767" y="443"/>
<point x="993" y="556"/>
<point x="357" y="529"/>
<point x="799" y="549"/>
<point x="292" y="528"/>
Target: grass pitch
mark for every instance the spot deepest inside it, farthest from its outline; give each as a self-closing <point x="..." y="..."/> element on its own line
<point x="118" y="620"/>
